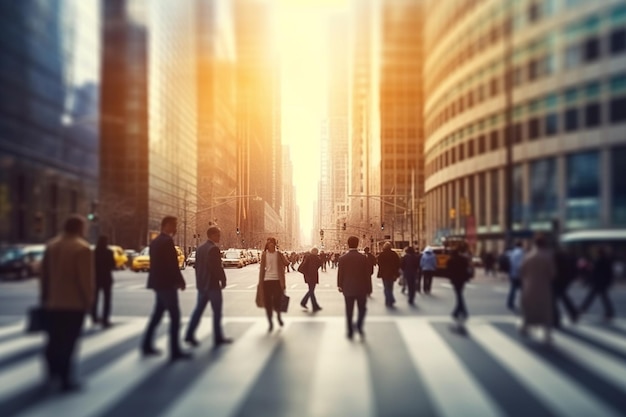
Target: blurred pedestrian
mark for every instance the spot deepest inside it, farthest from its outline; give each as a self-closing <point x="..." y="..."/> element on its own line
<point x="210" y="281"/>
<point x="601" y="279"/>
<point x="409" y="264"/>
<point x="165" y="279"/>
<point x="516" y="256"/>
<point x="489" y="261"/>
<point x="271" y="286"/>
<point x="309" y="268"/>
<point x="537" y="273"/>
<point x="371" y="262"/>
<point x="105" y="264"/>
<point x="388" y="270"/>
<point x="565" y="275"/>
<point x="458" y="272"/>
<point x="504" y="263"/>
<point x="354" y="282"/>
<point x="67" y="291"/>
<point x="428" y="266"/>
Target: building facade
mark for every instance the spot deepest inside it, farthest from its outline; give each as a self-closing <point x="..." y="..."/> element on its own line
<point x="561" y="116"/>
<point x="49" y="112"/>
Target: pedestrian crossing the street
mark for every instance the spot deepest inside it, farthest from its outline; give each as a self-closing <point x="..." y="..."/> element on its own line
<point x="403" y="366"/>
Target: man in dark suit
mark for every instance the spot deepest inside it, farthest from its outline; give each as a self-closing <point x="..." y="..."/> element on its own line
<point x="210" y="280"/>
<point x="165" y="279"/>
<point x="353" y="280"/>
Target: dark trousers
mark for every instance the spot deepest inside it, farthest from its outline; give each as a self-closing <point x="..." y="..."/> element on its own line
<point x="609" y="312"/>
<point x="63" y="327"/>
<point x="272" y="294"/>
<point x="559" y="292"/>
<point x="516" y="285"/>
<point x="428" y="281"/>
<point x="213" y="296"/>
<point x="310" y="294"/>
<point x="460" y="311"/>
<point x="361" y="302"/>
<point x="164" y="300"/>
<point x="106" y="301"/>
<point x="410" y="283"/>
<point x="418" y="281"/>
<point x="388" y="291"/>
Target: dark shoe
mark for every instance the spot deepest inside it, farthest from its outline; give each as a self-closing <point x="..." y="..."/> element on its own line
<point x="71" y="386"/>
<point x="192" y="341"/>
<point x="361" y="332"/>
<point x="350" y="336"/>
<point x="180" y="356"/>
<point x="271" y="328"/>
<point x="107" y="324"/>
<point x="316" y="309"/>
<point x="150" y="352"/>
<point x="304" y="306"/>
<point x="280" y="322"/>
<point x="223" y="341"/>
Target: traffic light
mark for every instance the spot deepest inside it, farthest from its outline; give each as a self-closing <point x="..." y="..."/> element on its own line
<point x="237" y="230"/>
<point x="92" y="216"/>
<point x="382" y="226"/>
<point x="344" y="227"/>
<point x="321" y="233"/>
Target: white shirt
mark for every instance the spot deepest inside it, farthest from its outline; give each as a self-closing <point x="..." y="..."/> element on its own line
<point x="271" y="266"/>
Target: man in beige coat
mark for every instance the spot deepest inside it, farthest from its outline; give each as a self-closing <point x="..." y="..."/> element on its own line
<point x="67" y="293"/>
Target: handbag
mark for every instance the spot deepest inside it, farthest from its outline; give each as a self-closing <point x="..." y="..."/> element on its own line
<point x="36" y="320"/>
<point x="284" y="303"/>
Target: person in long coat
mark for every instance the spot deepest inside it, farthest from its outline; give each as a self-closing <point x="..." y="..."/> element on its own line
<point x="410" y="264"/>
<point x="601" y="281"/>
<point x="271" y="286"/>
<point x="388" y="271"/>
<point x="458" y="272"/>
<point x="105" y="264"/>
<point x="310" y="268"/>
<point x="538" y="270"/>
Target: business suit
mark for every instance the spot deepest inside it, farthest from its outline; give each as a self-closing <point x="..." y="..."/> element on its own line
<point x="309" y="268"/>
<point x="354" y="281"/>
<point x="67" y="293"/>
<point x="210" y="279"/>
<point x="165" y="279"/>
<point x="388" y="270"/>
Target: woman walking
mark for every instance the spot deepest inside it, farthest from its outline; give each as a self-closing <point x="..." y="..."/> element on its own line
<point x="309" y="267"/>
<point x="271" y="285"/>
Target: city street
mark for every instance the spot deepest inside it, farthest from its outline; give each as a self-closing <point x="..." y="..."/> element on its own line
<point x="412" y="361"/>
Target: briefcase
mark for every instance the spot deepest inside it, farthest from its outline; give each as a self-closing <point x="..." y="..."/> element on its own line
<point x="36" y="320"/>
<point x="284" y="303"/>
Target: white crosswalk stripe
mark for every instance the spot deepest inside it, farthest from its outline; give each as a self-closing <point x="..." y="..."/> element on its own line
<point x="340" y="373"/>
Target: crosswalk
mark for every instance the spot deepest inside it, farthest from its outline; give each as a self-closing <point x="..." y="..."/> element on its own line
<point x="404" y="366"/>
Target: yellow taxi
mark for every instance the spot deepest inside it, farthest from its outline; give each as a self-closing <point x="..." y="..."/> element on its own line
<point x="120" y="257"/>
<point x="141" y="262"/>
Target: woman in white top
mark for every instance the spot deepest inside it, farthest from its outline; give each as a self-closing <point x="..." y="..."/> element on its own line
<point x="271" y="281"/>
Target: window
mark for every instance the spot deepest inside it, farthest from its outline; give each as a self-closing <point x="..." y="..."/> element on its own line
<point x="533" y="128"/>
<point x="571" y="119"/>
<point x="533" y="69"/>
<point x="534" y="13"/>
<point x="618" y="110"/>
<point x="495" y="200"/>
<point x="618" y="185"/>
<point x="461" y="152"/>
<point x="572" y="56"/>
<point x="493" y="87"/>
<point x="470" y="148"/>
<point x="493" y="145"/>
<point x="583" y="189"/>
<point x="593" y="116"/>
<point x="618" y="41"/>
<point x="551" y="124"/>
<point x="453" y="156"/>
<point x="592" y="49"/>
<point x="543" y="190"/>
<point x="481" y="144"/>
<point x="518" y="135"/>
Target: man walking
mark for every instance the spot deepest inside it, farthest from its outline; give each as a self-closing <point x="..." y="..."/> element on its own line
<point x="355" y="284"/>
<point x="428" y="265"/>
<point x="67" y="293"/>
<point x="165" y="279"/>
<point x="371" y="262"/>
<point x="210" y="280"/>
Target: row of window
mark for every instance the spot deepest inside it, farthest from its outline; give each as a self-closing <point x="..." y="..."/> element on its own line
<point x="586" y="51"/>
<point x="581" y="193"/>
<point x="571" y="119"/>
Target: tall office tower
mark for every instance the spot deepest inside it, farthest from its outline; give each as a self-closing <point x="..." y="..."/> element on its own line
<point x="149" y="122"/>
<point x="288" y="213"/>
<point x="124" y="173"/>
<point x="258" y="102"/>
<point x="401" y="126"/>
<point x="556" y="125"/>
<point x="365" y="213"/>
<point x="49" y="105"/>
<point x="217" y="121"/>
<point x="325" y="195"/>
<point x="338" y="123"/>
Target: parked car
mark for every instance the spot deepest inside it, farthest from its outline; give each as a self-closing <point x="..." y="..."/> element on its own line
<point x="232" y="258"/>
<point x="130" y="255"/>
<point x="120" y="256"/>
<point x="191" y="259"/>
<point x="21" y="261"/>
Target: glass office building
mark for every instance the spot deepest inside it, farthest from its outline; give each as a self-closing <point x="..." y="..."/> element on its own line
<point x="567" y="102"/>
<point x="49" y="78"/>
